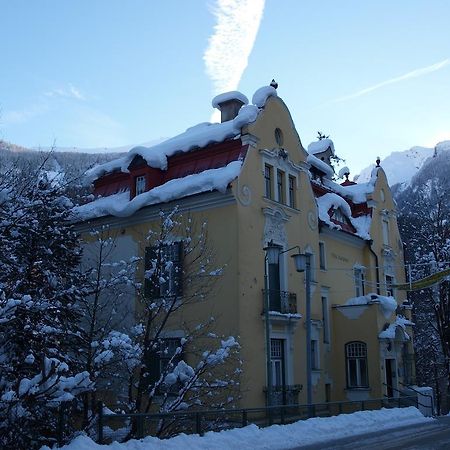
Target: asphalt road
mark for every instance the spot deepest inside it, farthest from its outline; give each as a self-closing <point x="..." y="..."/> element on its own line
<point x="429" y="436"/>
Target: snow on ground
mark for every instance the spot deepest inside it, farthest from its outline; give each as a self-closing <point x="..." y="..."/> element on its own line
<point x="304" y="432"/>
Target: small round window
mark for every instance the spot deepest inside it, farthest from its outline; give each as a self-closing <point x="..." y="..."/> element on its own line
<point x="279" y="137"/>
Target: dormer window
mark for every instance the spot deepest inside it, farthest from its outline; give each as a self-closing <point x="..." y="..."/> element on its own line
<point x="140" y="184"/>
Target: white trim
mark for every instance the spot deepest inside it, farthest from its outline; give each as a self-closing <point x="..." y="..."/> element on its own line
<point x="288" y="353"/>
<point x="197" y="202"/>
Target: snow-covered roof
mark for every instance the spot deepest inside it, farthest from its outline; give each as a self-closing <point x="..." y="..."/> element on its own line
<point x="262" y="94"/>
<point x="388" y="304"/>
<point x="319" y="164"/>
<point x="331" y="200"/>
<point x="197" y="136"/>
<point x="321" y="146"/>
<point x="400" y="323"/>
<point x="120" y="204"/>
<point x="227" y="96"/>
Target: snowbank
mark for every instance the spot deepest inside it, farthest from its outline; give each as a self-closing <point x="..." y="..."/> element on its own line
<point x="120" y="204"/>
<point x="305" y="432"/>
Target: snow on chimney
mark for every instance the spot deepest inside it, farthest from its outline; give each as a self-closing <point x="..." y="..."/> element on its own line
<point x="229" y="104"/>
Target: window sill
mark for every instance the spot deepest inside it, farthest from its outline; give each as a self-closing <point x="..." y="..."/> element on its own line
<point x="358" y="389"/>
<point x="290" y="208"/>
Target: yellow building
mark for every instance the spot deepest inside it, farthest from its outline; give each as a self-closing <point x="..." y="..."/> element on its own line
<point x="257" y="187"/>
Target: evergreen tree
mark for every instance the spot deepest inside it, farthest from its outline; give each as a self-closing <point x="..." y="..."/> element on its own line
<point x="39" y="294"/>
<point x="424" y="222"/>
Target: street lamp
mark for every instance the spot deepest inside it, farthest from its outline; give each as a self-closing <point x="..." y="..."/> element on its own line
<point x="272" y="256"/>
<point x="303" y="264"/>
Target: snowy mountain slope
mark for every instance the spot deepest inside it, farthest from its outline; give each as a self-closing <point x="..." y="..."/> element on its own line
<point x="400" y="167"/>
<point x="102" y="150"/>
<point x="70" y="165"/>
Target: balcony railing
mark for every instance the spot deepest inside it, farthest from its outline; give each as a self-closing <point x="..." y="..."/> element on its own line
<point x="284" y="395"/>
<point x="280" y="301"/>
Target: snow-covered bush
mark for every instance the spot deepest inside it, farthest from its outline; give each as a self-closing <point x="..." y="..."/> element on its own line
<point x="39" y="294"/>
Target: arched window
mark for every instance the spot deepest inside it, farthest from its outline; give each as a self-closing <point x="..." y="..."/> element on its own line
<point x="356" y="364"/>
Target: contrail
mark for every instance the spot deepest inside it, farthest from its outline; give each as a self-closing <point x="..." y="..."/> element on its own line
<point x="413" y="74"/>
<point x="232" y="41"/>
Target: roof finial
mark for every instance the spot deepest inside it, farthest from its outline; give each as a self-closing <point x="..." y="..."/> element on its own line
<point x="274" y="84"/>
<point x="378" y="160"/>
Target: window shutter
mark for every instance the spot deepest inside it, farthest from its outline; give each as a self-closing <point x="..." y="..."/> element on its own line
<point x="178" y="265"/>
<point x="150" y="290"/>
<point x="153" y="367"/>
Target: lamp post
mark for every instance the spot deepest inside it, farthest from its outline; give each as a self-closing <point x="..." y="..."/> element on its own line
<point x="271" y="257"/>
<point x="303" y="264"/>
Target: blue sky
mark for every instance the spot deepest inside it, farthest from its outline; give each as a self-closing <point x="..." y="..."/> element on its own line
<point x="375" y="76"/>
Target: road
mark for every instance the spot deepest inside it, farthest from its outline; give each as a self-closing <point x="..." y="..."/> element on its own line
<point x="429" y="436"/>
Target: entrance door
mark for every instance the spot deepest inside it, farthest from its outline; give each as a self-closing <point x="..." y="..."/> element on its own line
<point x="274" y="287"/>
<point x="278" y="371"/>
<point x="391" y="379"/>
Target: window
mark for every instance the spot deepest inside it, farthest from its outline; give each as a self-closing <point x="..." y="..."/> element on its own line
<point x="385" y="225"/>
<point x="140" y="185"/>
<point x="356" y="363"/>
<point x="281" y="186"/>
<point x="274" y="287"/>
<point x="163" y="361"/>
<point x="325" y="320"/>
<point x="278" y="137"/>
<point x="277" y="361"/>
<point x="389" y="282"/>
<point x="164" y="271"/>
<point x="359" y="281"/>
<point x="315" y="360"/>
<point x="268" y="176"/>
<point x="322" y="259"/>
<point x="292" y="203"/>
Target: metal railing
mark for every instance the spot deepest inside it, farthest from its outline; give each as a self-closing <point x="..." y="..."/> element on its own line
<point x="121" y="427"/>
<point x="283" y="302"/>
<point x="401" y="394"/>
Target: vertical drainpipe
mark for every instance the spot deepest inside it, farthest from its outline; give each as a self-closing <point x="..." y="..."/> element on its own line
<point x="377" y="269"/>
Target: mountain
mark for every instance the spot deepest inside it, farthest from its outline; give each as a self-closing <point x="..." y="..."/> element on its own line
<point x="100" y="150"/>
<point x="68" y="165"/>
<point x="400" y="167"/>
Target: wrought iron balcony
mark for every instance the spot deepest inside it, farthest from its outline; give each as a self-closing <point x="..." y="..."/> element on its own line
<point x="284" y="395"/>
<point x="280" y="301"/>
